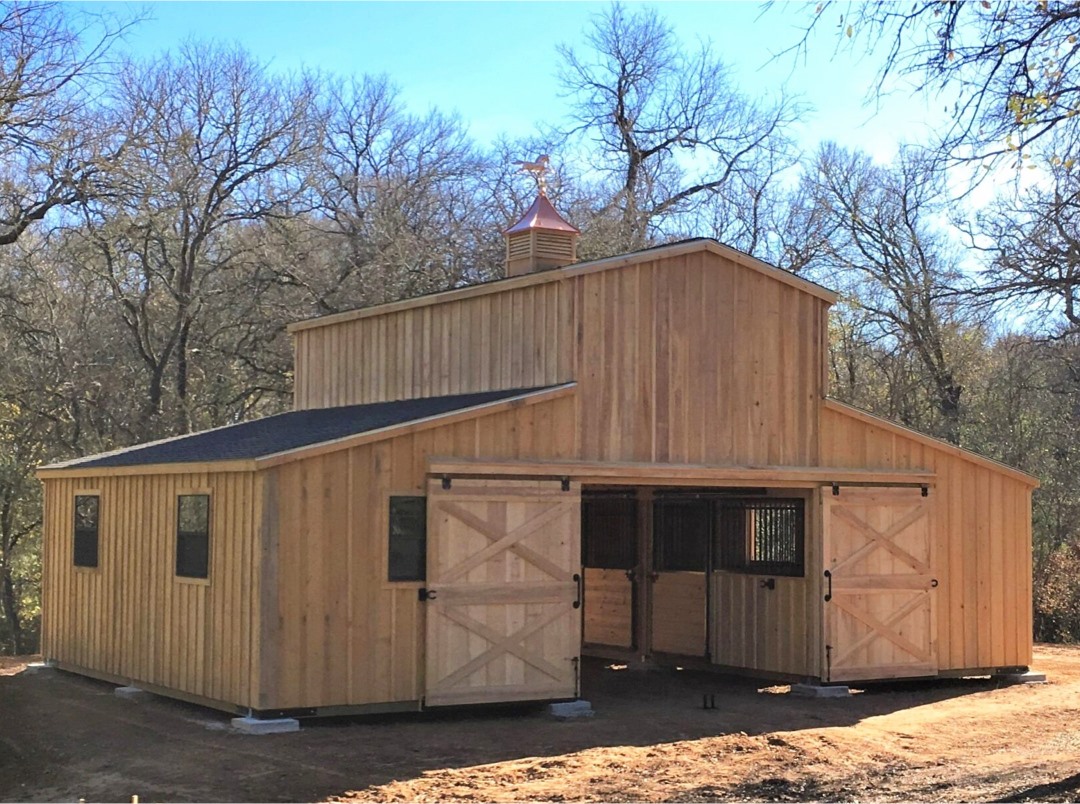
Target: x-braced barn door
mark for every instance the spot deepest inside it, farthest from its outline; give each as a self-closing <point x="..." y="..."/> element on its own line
<point x="879" y="584"/>
<point x="504" y="591"/>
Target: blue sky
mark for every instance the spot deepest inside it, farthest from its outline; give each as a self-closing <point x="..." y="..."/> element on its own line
<point x="495" y="62"/>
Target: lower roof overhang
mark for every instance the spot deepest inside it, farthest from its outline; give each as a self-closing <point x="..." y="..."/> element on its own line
<point x="668" y="474"/>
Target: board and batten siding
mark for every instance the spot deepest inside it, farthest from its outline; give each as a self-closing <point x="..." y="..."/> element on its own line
<point x="695" y="359"/>
<point x="131" y="619"/>
<point x="980" y="537"/>
<point x="690" y="358"/>
<point x="519" y="338"/>
<point x="336" y="631"/>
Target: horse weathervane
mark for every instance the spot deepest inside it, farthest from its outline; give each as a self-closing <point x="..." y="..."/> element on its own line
<point x="538" y="170"/>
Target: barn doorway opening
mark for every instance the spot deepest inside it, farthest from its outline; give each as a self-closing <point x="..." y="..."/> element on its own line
<point x="655" y="558"/>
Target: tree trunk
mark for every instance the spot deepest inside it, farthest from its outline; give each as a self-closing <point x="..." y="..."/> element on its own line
<point x="11" y="608"/>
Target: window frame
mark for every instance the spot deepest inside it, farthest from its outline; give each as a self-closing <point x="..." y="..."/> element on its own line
<point x="387" y="581"/>
<point x="193" y="579"/>
<point x="95" y="567"/>
<point x="750" y="566"/>
<point x="659" y="552"/>
<point x="590" y="517"/>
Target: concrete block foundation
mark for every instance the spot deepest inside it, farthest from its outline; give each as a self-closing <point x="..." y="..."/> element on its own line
<point x="820" y="691"/>
<point x="254" y="725"/>
<point x="131" y="693"/>
<point x="570" y="709"/>
<point x="1029" y="677"/>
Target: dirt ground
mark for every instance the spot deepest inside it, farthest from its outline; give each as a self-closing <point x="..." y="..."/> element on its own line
<point x="63" y="737"/>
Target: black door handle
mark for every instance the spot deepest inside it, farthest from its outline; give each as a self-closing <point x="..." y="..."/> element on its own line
<point x="580" y="590"/>
<point x="425" y="594"/>
<point x="828" y="595"/>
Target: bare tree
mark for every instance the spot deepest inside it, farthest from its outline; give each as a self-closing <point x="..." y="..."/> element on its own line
<point x="396" y="204"/>
<point x="895" y="266"/>
<point x="1031" y="241"/>
<point x="1011" y="65"/>
<point x="218" y="151"/>
<point x="666" y="126"/>
<point x="51" y="142"/>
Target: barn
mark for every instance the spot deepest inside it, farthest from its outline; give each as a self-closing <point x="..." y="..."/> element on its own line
<point x="633" y="457"/>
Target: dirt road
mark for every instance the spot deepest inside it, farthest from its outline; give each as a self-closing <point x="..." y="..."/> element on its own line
<point x="63" y="737"/>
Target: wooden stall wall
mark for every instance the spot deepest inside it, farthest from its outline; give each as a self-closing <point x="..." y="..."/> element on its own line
<point x="517" y="338"/>
<point x="608" y="618"/>
<point x="337" y="632"/>
<point x="980" y="537"/>
<point x="131" y="619"/>
<point x="694" y="359"/>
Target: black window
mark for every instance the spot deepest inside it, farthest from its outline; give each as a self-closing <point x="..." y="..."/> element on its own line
<point x="609" y="531"/>
<point x="408" y="539"/>
<point x="87" y="522"/>
<point x="761" y="537"/>
<point x="681" y="531"/>
<point x="193" y="536"/>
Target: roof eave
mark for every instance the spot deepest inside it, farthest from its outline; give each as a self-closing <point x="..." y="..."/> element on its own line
<point x="55" y="471"/>
<point x="569" y="271"/>
<point x="932" y="442"/>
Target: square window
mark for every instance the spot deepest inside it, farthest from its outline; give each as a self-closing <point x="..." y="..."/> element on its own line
<point x="761" y="537"/>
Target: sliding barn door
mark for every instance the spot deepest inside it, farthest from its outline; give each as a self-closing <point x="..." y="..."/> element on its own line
<point x="504" y="584"/>
<point x="879" y="584"/>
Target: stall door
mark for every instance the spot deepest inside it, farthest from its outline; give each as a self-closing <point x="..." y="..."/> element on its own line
<point x="879" y="584"/>
<point x="610" y="556"/>
<point x="503" y="591"/>
<point x="681" y="535"/>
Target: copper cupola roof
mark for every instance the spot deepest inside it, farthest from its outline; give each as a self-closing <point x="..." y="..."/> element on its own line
<point x="542" y="215"/>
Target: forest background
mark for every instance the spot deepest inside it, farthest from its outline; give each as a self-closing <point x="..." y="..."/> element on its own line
<point x="162" y="218"/>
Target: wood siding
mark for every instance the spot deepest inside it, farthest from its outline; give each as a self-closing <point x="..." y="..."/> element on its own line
<point x="131" y="618"/>
<point x="336" y="631"/>
<point x="662" y="351"/>
<point x="609" y="608"/>
<point x="515" y="339"/>
<point x="678" y="613"/>
<point x="980" y="539"/>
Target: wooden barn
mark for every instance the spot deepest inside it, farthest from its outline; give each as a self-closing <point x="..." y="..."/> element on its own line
<point x="633" y="457"/>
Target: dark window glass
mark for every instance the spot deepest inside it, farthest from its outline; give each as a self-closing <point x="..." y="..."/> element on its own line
<point x="681" y="530"/>
<point x="193" y="536"/>
<point x="87" y="522"/>
<point x="408" y="539"/>
<point x="761" y="537"/>
<point x="609" y="531"/>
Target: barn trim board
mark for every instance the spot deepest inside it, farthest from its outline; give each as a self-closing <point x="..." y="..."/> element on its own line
<point x="687" y="371"/>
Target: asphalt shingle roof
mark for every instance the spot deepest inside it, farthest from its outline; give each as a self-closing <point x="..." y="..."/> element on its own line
<point x="286" y="431"/>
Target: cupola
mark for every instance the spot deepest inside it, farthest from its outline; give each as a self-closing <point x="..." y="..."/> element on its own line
<point x="542" y="239"/>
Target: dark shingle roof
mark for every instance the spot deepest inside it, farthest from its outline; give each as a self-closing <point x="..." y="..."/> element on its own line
<point x="286" y="431"/>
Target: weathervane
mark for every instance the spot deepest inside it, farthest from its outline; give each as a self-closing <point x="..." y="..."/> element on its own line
<point x="538" y="170"/>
